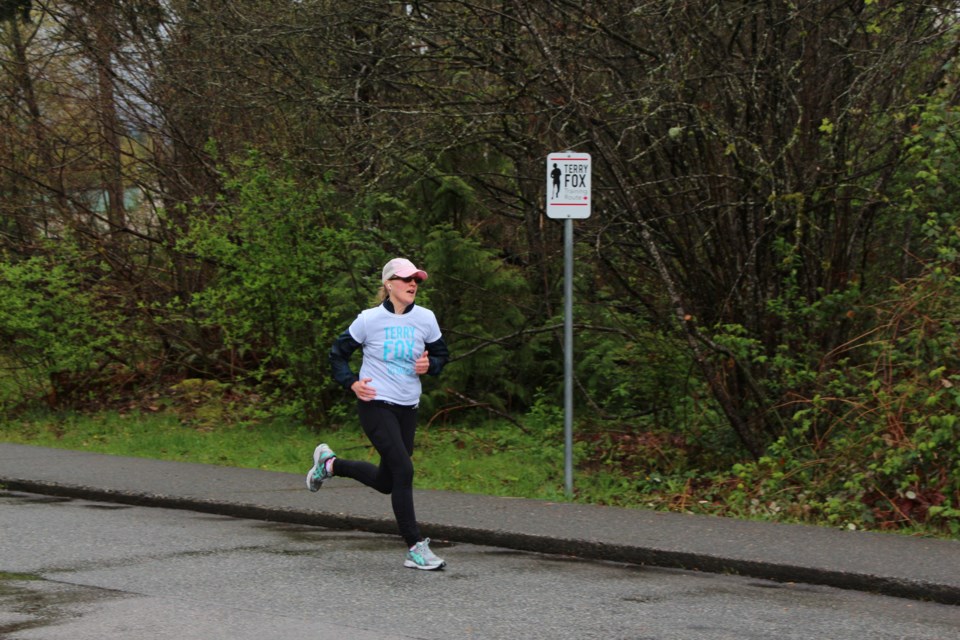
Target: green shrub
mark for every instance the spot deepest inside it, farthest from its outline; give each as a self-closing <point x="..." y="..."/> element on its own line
<point x="55" y="320"/>
<point x="289" y="264"/>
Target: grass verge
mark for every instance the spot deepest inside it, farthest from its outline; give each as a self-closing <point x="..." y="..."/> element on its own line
<point x="490" y="458"/>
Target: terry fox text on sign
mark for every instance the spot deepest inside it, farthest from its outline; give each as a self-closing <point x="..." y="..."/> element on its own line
<point x="568" y="185"/>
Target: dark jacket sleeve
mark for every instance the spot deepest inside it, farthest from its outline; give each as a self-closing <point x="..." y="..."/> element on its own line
<point x="343" y="347"/>
<point x="438" y="355"/>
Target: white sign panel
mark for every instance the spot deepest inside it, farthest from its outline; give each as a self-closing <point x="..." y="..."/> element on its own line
<point x="568" y="185"/>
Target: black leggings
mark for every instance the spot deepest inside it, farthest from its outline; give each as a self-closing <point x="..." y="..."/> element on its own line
<point x="391" y="429"/>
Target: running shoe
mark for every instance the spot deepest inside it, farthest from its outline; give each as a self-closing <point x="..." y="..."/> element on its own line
<point x="421" y="557"/>
<point x="318" y="473"/>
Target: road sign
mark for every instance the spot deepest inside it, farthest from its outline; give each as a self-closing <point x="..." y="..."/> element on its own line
<point x="568" y="185"/>
<point x="568" y="198"/>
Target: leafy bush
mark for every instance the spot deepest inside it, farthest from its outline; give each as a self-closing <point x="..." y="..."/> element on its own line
<point x="890" y="458"/>
<point x="287" y="258"/>
<point x="55" y="320"/>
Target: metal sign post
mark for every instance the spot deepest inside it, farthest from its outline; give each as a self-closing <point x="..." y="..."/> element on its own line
<point x="568" y="198"/>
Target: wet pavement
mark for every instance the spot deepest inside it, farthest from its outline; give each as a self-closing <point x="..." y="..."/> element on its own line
<point x="75" y="569"/>
<point x="888" y="564"/>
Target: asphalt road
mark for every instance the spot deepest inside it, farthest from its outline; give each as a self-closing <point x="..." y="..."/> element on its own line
<point x="77" y="569"/>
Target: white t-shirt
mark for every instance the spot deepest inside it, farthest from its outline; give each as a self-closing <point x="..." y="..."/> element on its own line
<point x="391" y="345"/>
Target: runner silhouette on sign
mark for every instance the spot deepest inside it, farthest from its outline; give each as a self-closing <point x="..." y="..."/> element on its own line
<point x="555" y="174"/>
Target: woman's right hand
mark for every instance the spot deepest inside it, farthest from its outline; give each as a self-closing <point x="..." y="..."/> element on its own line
<point x="364" y="392"/>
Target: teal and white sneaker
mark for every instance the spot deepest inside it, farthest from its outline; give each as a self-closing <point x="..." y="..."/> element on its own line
<point x="429" y="555"/>
<point x="318" y="473"/>
<point x="420" y="557"/>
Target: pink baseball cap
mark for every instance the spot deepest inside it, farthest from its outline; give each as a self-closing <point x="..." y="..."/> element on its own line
<point x="402" y="268"/>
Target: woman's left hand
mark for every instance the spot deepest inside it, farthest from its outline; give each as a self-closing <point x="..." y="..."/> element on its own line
<point x="422" y="364"/>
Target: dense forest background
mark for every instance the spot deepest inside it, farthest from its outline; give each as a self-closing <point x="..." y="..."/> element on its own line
<point x="766" y="290"/>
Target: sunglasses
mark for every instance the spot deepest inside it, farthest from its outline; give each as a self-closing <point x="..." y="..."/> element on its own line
<point x="408" y="279"/>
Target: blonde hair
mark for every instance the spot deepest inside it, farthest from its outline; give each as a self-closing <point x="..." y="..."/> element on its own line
<point x="381" y="294"/>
